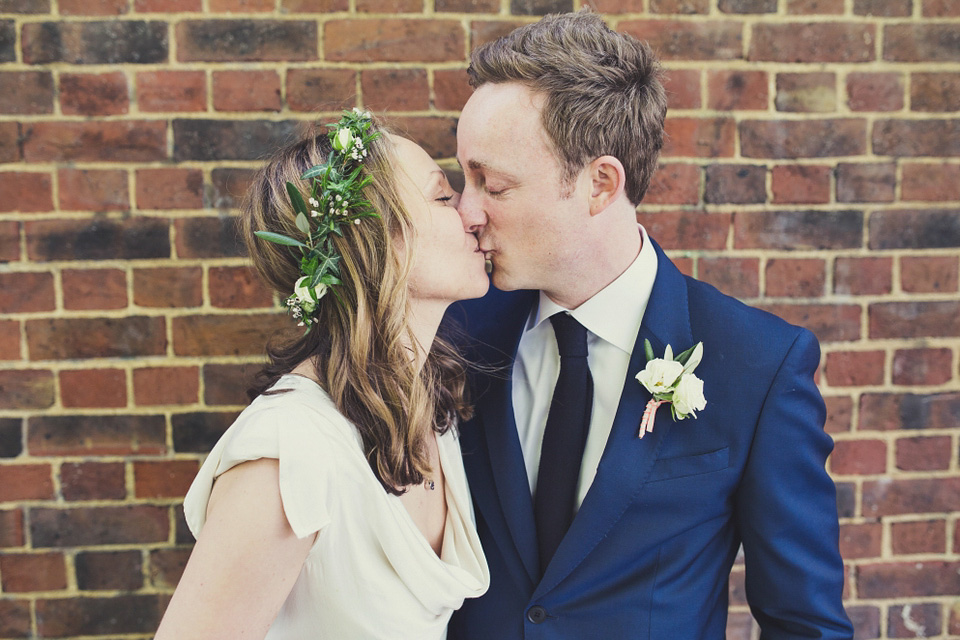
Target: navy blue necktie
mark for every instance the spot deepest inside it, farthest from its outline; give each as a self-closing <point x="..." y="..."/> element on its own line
<point x="564" y="438"/>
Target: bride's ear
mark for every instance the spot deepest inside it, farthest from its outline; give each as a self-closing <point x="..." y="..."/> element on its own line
<point x="607" y="182"/>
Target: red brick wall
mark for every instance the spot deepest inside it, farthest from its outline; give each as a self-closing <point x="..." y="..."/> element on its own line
<point x="812" y="168"/>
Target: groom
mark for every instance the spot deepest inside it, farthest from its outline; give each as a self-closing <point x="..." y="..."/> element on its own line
<point x="589" y="530"/>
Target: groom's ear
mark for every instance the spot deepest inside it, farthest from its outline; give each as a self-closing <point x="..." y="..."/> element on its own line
<point x="607" y="182"/>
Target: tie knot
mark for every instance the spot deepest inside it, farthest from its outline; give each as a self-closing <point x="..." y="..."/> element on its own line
<point x="571" y="335"/>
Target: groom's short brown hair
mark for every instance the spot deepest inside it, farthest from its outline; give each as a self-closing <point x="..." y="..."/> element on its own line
<point x="602" y="89"/>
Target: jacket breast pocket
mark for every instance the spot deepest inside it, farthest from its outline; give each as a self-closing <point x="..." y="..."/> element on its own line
<point x="683" y="466"/>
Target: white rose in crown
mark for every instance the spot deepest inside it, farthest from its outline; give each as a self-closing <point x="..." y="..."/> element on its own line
<point x="672" y="381"/>
<point x="343" y="140"/>
<point x="308" y="302"/>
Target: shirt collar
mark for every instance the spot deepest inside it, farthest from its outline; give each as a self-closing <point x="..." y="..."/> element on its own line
<point x="615" y="312"/>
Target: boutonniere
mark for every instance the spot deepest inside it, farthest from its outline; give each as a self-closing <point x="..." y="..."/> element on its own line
<point x="671" y="380"/>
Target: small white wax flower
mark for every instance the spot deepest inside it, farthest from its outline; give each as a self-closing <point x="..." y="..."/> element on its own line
<point x="314" y="213"/>
<point x="659" y="375"/>
<point x="357" y="221"/>
<point x="343" y="140"/>
<point x="314" y="202"/>
<point x="688" y="396"/>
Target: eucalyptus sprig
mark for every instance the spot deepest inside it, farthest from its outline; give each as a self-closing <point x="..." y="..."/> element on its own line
<point x="335" y="198"/>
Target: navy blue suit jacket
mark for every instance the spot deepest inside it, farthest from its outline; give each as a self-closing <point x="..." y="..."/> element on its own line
<point x="649" y="553"/>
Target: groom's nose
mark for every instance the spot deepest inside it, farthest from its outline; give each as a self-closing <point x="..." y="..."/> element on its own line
<point x="471" y="210"/>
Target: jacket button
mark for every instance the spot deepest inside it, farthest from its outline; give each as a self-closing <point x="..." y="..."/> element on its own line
<point x="536" y="614"/>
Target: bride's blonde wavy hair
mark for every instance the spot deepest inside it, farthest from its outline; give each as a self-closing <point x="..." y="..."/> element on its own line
<point x="360" y="346"/>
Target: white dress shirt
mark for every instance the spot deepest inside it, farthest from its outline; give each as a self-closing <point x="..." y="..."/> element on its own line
<point x="612" y="318"/>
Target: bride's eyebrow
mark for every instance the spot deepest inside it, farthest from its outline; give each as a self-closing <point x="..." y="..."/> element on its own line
<point x="437" y="177"/>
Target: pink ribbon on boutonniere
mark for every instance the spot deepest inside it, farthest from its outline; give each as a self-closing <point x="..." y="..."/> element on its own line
<point x="671" y="381"/>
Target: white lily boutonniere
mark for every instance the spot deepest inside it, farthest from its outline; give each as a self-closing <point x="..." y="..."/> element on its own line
<point x="671" y="380"/>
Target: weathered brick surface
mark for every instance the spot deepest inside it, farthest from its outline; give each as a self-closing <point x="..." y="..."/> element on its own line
<point x="811" y="168"/>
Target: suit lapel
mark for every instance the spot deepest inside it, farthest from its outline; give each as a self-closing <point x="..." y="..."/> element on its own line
<point x="627" y="459"/>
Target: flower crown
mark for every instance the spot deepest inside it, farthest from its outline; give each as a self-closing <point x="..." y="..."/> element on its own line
<point x="335" y="198"/>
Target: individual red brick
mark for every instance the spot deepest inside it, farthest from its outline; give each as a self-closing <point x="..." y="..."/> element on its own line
<point x="854" y="368"/>
<point x="829" y="322"/>
<point x="791" y="230"/>
<point x="861" y="182"/>
<point x="198" y="432"/>
<point x="15" y="618"/>
<point x="921" y="495"/>
<point x="94" y="94"/>
<point x="84" y="526"/>
<point x="747" y="6"/>
<point x="683" y="88"/>
<point x="9" y="241"/>
<point x="96" y="435"/>
<point x="674" y="183"/>
<point x="237" y="288"/>
<point x="96" y="141"/>
<point x="72" y="338"/>
<point x="688" y="39"/>
<point x="813" y="7"/>
<point x="860" y="540"/>
<point x="813" y="42"/>
<point x="11" y="530"/>
<point x="922" y="536"/>
<point x="9" y="340"/>
<point x="10" y="149"/>
<point x="163" y="478"/>
<point x="85" y="289"/>
<point x="806" y="92"/>
<point x="908" y="579"/>
<point x="165" y="385"/>
<point x="863" y="276"/>
<point x="735" y="184"/>
<point x="168" y="287"/>
<point x="320" y="89"/>
<point x="923" y="454"/>
<point x="93" y="481"/>
<point x="437" y="135"/>
<point x="26" y="389"/>
<point x="166" y="567"/>
<point x="25" y="6"/>
<point x="11" y="437"/>
<point x="934" y="91"/>
<point x="539" y="7"/>
<point x="883" y="8"/>
<point x="875" y="91"/>
<point x="393" y="40"/>
<point x="176" y="91"/>
<point x="865" y="619"/>
<point x="738" y="277"/>
<point x="839" y="414"/>
<point x="930" y="182"/>
<point x="450" y="89"/>
<point x="246" y="91"/>
<point x="167" y="6"/>
<point x="226" y="384"/>
<point x="933" y="274"/>
<point x="801" y="184"/>
<point x="25" y="191"/>
<point x="915" y="229"/>
<point x="246" y="40"/>
<point x="209" y="335"/>
<point x="93" y="190"/>
<point x="729" y="90"/>
<point x="687" y="229"/>
<point x="939" y="137"/>
<point x="803" y="138"/>
<point x="241" y="6"/>
<point x="684" y="266"/>
<point x="915" y="620"/>
<point x="887" y="411"/>
<point x="169" y="189"/>
<point x="93" y="388"/>
<point x="109" y="570"/>
<point x="314" y="6"/>
<point x="93" y="7"/>
<point x="940" y="9"/>
<point x="920" y="43"/>
<point x="25" y="572"/>
<point x="25" y="482"/>
<point x="699" y="137"/>
<point x="915" y="319"/>
<point x="26" y="291"/>
<point x="859" y="457"/>
<point x="676" y="6"/>
<point x="391" y="6"/>
<point x="395" y="89"/>
<point x="26" y="92"/>
<point x="110" y="615"/>
<point x="99" y="238"/>
<point x="484" y="31"/>
<point x="922" y="366"/>
<point x="95" y="42"/>
<point x="239" y="139"/>
<point x="229" y="187"/>
<point x="795" y="277"/>
<point x="207" y="237"/>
